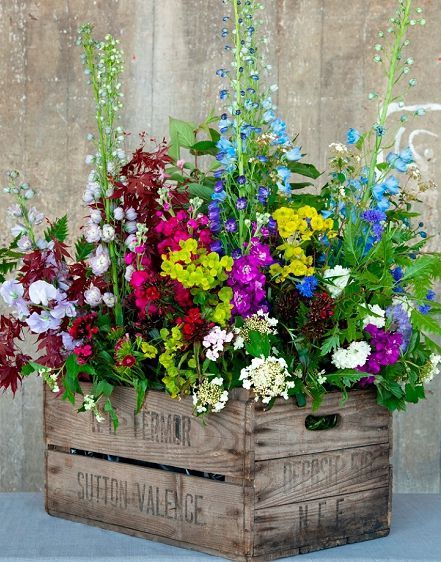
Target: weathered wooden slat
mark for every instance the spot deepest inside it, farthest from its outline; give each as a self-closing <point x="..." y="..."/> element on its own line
<point x="281" y="432"/>
<point x="194" y="510"/>
<point x="165" y="432"/>
<point x="305" y="524"/>
<point x="319" y="475"/>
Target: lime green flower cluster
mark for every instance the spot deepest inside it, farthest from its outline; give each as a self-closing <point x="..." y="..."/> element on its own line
<point x="195" y="267"/>
<point x="178" y="378"/>
<point x="221" y="306"/>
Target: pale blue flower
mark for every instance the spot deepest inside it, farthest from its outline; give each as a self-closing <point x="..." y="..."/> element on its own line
<point x="40" y="323"/>
<point x="294" y="154"/>
<point x="41" y="292"/>
<point x="400" y="161"/>
<point x="352" y="136"/>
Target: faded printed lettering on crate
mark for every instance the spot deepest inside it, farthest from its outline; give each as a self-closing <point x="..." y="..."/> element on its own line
<point x="157" y="502"/>
<point x="164" y="432"/>
<point x="284" y="481"/>
<point x="307" y="523"/>
<point x="158" y="427"/>
<point x="147" y="497"/>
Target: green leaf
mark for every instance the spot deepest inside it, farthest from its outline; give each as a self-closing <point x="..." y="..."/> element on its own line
<point x="414" y="393"/>
<point x="258" y="344"/>
<point x="329" y="344"/>
<point x="58" y="230"/>
<point x="214" y="134"/>
<point x="111" y="411"/>
<point x="83" y="249"/>
<point x="140" y="386"/>
<point x="31" y="368"/>
<point x="103" y="387"/>
<point x="205" y="147"/>
<point x="306" y="170"/>
<point x="425" y="323"/>
<point x="70" y="379"/>
<point x="300" y="185"/>
<point x="200" y="190"/>
<point x="182" y="134"/>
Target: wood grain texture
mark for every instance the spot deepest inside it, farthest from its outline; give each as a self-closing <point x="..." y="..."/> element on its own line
<point x="320" y="475"/>
<point x="313" y="523"/>
<point x="164" y="432"/>
<point x="165" y="504"/>
<point x="281" y="432"/>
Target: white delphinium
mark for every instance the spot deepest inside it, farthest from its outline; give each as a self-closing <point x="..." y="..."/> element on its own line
<point x="374" y="314"/>
<point x="93" y="296"/>
<point x="129" y="272"/>
<point x="353" y="356"/>
<point x="108" y="233"/>
<point x="95" y="216"/>
<point x="210" y="396"/>
<point x="130" y="227"/>
<point x="99" y="261"/>
<point x="131" y="214"/>
<point x="268" y="377"/>
<point x="336" y="279"/>
<point x="118" y="214"/>
<point x="92" y="233"/>
<point x="214" y="342"/>
<point x="109" y="299"/>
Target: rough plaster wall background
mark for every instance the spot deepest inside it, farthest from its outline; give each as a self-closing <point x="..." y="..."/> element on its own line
<point x="321" y="52"/>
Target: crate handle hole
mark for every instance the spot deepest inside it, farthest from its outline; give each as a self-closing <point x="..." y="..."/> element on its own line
<point x="322" y="423"/>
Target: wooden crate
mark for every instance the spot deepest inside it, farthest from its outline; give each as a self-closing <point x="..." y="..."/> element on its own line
<point x="281" y="489"/>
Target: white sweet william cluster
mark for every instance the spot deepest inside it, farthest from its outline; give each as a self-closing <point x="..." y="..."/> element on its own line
<point x="268" y="377"/>
<point x="355" y="355"/>
<point x="210" y="396"/>
<point x="336" y="279"/>
<point x="214" y="342"/>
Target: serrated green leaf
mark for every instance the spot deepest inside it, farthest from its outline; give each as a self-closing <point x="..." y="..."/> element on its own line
<point x="83" y="249"/>
<point x="58" y="230"/>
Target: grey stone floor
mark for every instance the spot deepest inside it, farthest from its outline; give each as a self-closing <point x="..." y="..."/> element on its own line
<point x="28" y="534"/>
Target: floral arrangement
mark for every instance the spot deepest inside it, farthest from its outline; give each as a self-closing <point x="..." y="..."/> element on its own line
<point x="208" y="262"/>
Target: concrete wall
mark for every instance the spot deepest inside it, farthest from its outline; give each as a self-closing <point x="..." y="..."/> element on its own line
<point x="321" y="51"/>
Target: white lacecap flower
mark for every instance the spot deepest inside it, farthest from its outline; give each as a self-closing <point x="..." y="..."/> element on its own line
<point x="355" y="355"/>
<point x="336" y="279"/>
<point x="435" y="361"/>
<point x="374" y="314"/>
<point x="109" y="299"/>
<point x="268" y="377"/>
<point x="92" y="296"/>
<point x="88" y="197"/>
<point x="108" y="233"/>
<point x="118" y="214"/>
<point x="92" y="233"/>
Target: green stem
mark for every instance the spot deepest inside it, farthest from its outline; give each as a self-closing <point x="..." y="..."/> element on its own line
<point x="391" y="81"/>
